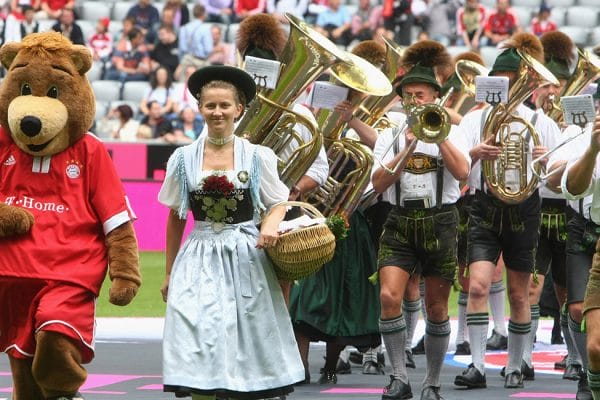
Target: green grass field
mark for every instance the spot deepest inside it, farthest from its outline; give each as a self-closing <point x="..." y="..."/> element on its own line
<point x="148" y="302"/>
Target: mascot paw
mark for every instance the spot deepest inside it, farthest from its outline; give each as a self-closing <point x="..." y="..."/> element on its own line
<point x="122" y="292"/>
<point x="14" y="221"/>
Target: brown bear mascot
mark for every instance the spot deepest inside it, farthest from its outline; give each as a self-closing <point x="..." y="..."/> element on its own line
<point x="64" y="218"/>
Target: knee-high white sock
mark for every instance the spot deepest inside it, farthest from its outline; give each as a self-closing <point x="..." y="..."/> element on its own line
<point x="529" y="342"/>
<point x="477" y="323"/>
<point x="498" y="306"/>
<point x="573" y="357"/>
<point x="517" y="336"/>
<point x="393" y="333"/>
<point x="462" y="318"/>
<point x="410" y="310"/>
<point x="580" y="339"/>
<point x="437" y="336"/>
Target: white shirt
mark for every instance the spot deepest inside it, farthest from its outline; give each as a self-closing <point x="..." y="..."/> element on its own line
<point x="423" y="185"/>
<point x="545" y="127"/>
<point x="571" y="152"/>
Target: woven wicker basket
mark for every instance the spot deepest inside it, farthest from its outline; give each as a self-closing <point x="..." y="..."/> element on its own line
<point x="304" y="251"/>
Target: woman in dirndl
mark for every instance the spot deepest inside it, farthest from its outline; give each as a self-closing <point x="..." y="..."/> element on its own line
<point x="227" y="329"/>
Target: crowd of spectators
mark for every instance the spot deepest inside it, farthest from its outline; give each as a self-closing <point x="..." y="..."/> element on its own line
<point x="162" y="43"/>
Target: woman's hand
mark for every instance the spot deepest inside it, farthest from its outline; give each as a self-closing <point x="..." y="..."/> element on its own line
<point x="267" y="237"/>
<point x="164" y="289"/>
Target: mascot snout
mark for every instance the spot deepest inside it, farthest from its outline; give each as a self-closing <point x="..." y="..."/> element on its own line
<point x="31" y="125"/>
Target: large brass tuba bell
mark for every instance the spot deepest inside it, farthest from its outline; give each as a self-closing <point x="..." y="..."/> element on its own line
<point x="372" y="109"/>
<point x="586" y="71"/>
<point x="269" y="119"/>
<point x="467" y="70"/>
<point x="507" y="176"/>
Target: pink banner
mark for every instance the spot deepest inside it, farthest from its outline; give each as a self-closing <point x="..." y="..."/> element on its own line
<point x="151" y="224"/>
<point x="130" y="159"/>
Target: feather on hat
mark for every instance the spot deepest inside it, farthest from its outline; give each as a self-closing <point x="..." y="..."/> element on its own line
<point x="261" y="35"/>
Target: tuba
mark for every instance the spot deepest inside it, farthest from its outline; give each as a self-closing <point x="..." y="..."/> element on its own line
<point x="586" y="70"/>
<point x="466" y="71"/>
<point x="350" y="162"/>
<point x="506" y="177"/>
<point x="372" y="109"/>
<point x="364" y="80"/>
<point x="269" y="119"/>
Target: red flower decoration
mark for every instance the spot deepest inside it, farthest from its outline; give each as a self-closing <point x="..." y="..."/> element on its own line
<point x="219" y="184"/>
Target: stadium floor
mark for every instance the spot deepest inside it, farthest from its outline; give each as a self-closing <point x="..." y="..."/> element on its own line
<point x="130" y="368"/>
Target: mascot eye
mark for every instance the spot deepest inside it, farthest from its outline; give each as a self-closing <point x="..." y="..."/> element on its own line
<point x="52" y="92"/>
<point x="25" y="89"/>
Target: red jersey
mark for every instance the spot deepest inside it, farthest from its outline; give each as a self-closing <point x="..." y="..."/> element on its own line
<point x="502" y="24"/>
<point x="101" y="44"/>
<point x="76" y="199"/>
<point x="538" y="28"/>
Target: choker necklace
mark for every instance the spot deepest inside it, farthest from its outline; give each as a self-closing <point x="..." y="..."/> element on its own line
<point x="221" y="141"/>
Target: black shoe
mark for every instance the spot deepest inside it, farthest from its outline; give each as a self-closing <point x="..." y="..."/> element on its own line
<point x="527" y="372"/>
<point x="497" y="341"/>
<point x="583" y="389"/>
<point x="419" y="347"/>
<point x="327" y="377"/>
<point x="431" y="393"/>
<point x="409" y="360"/>
<point x="356" y="357"/>
<point x="562" y="364"/>
<point x="463" y="349"/>
<point x="514" y="380"/>
<point x="343" y="367"/>
<point x="396" y="390"/>
<point x="471" y="378"/>
<point x="371" y="368"/>
<point x="572" y="372"/>
<point x="76" y="396"/>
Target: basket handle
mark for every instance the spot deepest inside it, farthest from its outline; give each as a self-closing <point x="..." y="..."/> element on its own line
<point x="301" y="204"/>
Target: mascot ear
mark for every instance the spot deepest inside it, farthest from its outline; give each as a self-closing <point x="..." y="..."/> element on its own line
<point x="8" y="52"/>
<point x="82" y="58"/>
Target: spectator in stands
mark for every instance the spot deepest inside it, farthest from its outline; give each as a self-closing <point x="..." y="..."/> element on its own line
<point x="195" y="42"/>
<point x="366" y="20"/>
<point x="20" y="23"/>
<point x="160" y="91"/>
<point x="182" y="97"/>
<point x="154" y="125"/>
<point x="166" y="50"/>
<point x="51" y="9"/>
<point x="133" y="63"/>
<point x="101" y="42"/>
<point x="501" y="23"/>
<point x="17" y="7"/>
<point x="470" y="22"/>
<point x="219" y="11"/>
<point x="68" y="27"/>
<point x="335" y="23"/>
<point x="315" y="7"/>
<point x="398" y="18"/>
<point x="120" y="39"/>
<point x="278" y="8"/>
<point x="119" y="124"/>
<point x="146" y="18"/>
<point x="380" y="32"/>
<point x="433" y="18"/>
<point x="186" y="127"/>
<point x="181" y="13"/>
<point x="542" y="23"/>
<point x="223" y="53"/>
<point x="245" y="8"/>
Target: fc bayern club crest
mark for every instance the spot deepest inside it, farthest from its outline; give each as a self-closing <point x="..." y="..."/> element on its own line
<point x="73" y="169"/>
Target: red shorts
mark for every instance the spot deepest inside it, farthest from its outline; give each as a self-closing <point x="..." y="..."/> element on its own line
<point x="30" y="305"/>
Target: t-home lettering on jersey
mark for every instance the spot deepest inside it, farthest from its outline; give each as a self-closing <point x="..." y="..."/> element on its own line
<point x="31" y="203"/>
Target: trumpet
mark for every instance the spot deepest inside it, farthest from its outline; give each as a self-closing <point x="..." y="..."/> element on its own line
<point x="430" y="123"/>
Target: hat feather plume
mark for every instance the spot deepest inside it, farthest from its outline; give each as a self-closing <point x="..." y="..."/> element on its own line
<point x="527" y="43"/>
<point x="262" y="31"/>
<point x="558" y="45"/>
<point x="427" y="53"/>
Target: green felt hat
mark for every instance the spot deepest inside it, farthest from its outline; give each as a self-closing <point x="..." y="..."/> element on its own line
<point x="560" y="68"/>
<point x="419" y="74"/>
<point x="507" y="61"/>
